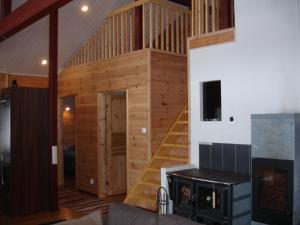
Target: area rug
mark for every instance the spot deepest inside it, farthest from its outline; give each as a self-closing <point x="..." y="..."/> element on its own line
<point x="80" y="202"/>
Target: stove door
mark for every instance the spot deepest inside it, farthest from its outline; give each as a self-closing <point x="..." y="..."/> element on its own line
<point x="272" y="191"/>
<point x="184" y="197"/>
<point x="211" y="201"/>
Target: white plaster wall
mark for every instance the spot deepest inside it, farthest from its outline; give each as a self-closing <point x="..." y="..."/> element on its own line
<point x="260" y="71"/>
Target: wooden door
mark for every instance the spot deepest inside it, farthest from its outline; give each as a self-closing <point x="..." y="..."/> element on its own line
<point x="116" y="144"/>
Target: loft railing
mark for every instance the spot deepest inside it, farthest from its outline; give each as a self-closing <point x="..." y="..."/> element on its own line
<point x="205" y="16"/>
<point x="211" y="15"/>
<point x="155" y="24"/>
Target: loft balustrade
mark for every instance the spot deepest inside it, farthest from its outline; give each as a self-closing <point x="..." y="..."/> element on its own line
<point x="155" y="24"/>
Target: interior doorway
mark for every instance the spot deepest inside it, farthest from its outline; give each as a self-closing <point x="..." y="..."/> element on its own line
<point x="115" y="141"/>
<point x="69" y="142"/>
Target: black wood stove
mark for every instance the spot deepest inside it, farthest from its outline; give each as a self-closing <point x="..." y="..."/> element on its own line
<point x="211" y="197"/>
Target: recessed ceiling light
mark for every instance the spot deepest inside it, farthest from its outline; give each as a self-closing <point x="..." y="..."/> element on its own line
<point x="67" y="108"/>
<point x="44" y="62"/>
<point x="84" y="8"/>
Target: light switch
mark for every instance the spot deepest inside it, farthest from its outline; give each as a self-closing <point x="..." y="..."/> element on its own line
<point x="91" y="181"/>
<point x="144" y="130"/>
<point x="54" y="155"/>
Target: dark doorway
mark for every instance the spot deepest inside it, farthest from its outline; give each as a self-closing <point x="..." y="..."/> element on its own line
<point x="69" y="142"/>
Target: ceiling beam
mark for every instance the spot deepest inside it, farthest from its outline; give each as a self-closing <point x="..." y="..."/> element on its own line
<point x="26" y="14"/>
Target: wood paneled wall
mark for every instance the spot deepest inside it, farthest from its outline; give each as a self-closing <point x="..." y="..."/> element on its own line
<point x="128" y="72"/>
<point x="23" y="80"/>
<point x="132" y="72"/>
<point x="87" y="143"/>
<point x="168" y="93"/>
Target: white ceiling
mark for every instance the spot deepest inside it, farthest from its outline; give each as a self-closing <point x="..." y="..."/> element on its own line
<point x="23" y="52"/>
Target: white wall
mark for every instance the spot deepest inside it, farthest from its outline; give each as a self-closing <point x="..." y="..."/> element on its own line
<point x="259" y="71"/>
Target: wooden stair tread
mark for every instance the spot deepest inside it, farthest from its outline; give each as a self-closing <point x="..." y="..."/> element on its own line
<point x="182" y="122"/>
<point x="172" y="158"/>
<point x="177" y="133"/>
<point x="148" y="183"/>
<point x="176" y="145"/>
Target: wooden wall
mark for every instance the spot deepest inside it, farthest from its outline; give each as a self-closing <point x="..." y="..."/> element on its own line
<point x="168" y="93"/>
<point x="128" y="72"/>
<point x="87" y="143"/>
<point x="23" y="80"/>
<point x="132" y="72"/>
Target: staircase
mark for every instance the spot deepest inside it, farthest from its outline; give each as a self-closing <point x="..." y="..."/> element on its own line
<point x="173" y="151"/>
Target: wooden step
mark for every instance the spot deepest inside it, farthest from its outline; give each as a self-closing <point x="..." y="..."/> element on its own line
<point x="179" y="159"/>
<point x="160" y="163"/>
<point x="176" y="145"/>
<point x="177" y="139"/>
<point x="179" y="133"/>
<point x="182" y="122"/>
<point x="173" y="152"/>
<point x="151" y="177"/>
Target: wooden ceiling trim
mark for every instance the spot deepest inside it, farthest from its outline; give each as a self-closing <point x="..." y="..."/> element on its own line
<point x="26" y="14"/>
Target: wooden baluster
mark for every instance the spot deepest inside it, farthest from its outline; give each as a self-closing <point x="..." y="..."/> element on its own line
<point x="213" y="8"/>
<point x="106" y="38"/>
<point x="172" y="32"/>
<point x="102" y="41"/>
<point x="109" y="37"/>
<point x="126" y="32"/>
<point x="193" y="17"/>
<point x="144" y="26"/>
<point x="162" y="27"/>
<point x="118" y="35"/>
<point x="197" y="18"/>
<point x="167" y="30"/>
<point x="177" y="32"/>
<point x="122" y="32"/>
<point x="89" y="50"/>
<point x="85" y="53"/>
<point x="131" y="30"/>
<point x="151" y="26"/>
<point x="217" y="14"/>
<point x="182" y="33"/>
<point x="113" y="35"/>
<point x="156" y="26"/>
<point x="206" y="16"/>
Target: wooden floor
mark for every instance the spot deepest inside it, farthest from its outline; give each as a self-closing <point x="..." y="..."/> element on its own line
<point x="40" y="218"/>
<point x="72" y="205"/>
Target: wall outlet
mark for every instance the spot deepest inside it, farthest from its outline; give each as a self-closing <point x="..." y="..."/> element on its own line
<point x="92" y="181"/>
